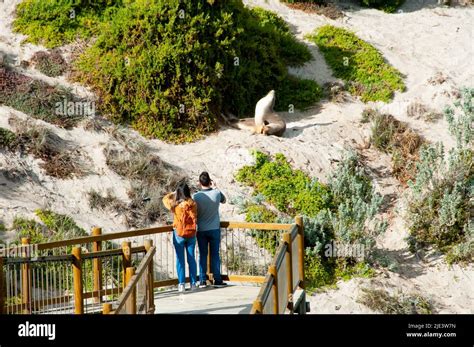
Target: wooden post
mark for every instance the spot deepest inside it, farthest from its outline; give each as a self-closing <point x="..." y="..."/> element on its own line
<point x="25" y="276"/>
<point x="131" y="304"/>
<point x="151" y="299"/>
<point x="2" y="287"/>
<point x="274" y="272"/>
<point x="106" y="308"/>
<point x="126" y="259"/>
<point x="257" y="306"/>
<point x="97" y="265"/>
<point x="299" y="223"/>
<point x="289" y="271"/>
<point x="77" y="277"/>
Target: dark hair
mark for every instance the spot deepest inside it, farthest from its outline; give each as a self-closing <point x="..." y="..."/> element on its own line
<point x="204" y="179"/>
<point x="182" y="193"/>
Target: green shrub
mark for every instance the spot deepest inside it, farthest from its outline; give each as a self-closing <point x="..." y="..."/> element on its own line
<point x="171" y="77"/>
<point x="8" y="139"/>
<point x="321" y="272"/>
<point x="53" y="23"/>
<point x="291" y="191"/>
<point x="63" y="227"/>
<point x="439" y="202"/>
<point x="266" y="239"/>
<point x="342" y="211"/>
<point x="318" y="273"/>
<point x="53" y="227"/>
<point x="290" y="50"/>
<point x="386" y="5"/>
<point x="301" y="93"/>
<point x="358" y="63"/>
<point x="29" y="228"/>
<point x="353" y="219"/>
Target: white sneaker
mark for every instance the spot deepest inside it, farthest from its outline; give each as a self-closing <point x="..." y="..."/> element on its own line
<point x="193" y="286"/>
<point x="181" y="287"/>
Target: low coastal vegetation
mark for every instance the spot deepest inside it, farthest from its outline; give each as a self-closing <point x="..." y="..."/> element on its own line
<point x="389" y="6"/>
<point x="341" y="212"/>
<point x="358" y="63"/>
<point x="396" y="138"/>
<point x="8" y="139"/>
<point x="171" y="76"/>
<point x="150" y="179"/>
<point x="440" y="197"/>
<point x="51" y="64"/>
<point x="38" y="99"/>
<point x="57" y="157"/>
<point x="52" y="227"/>
<point x="382" y="301"/>
<point x="54" y="23"/>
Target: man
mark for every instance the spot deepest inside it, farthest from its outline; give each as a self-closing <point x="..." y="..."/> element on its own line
<point x="208" y="200"/>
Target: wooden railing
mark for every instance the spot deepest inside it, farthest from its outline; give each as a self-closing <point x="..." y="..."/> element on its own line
<point x="244" y="259"/>
<point x="61" y="283"/>
<point x="283" y="288"/>
<point x="137" y="296"/>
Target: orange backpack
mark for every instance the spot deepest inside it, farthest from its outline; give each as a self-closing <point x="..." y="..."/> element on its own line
<point x="187" y="221"/>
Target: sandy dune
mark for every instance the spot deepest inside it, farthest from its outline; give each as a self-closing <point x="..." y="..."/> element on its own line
<point x="421" y="41"/>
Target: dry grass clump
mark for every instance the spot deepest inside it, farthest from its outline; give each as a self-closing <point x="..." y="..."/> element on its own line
<point x="329" y="10"/>
<point x="150" y="178"/>
<point x="104" y="202"/>
<point x="399" y="303"/>
<point x="396" y="138"/>
<point x="59" y="160"/>
<point x="49" y="63"/>
<point x="96" y="124"/>
<point x="418" y="110"/>
<point x="336" y="92"/>
<point x="437" y="79"/>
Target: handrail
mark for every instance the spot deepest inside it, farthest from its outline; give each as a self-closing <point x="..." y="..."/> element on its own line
<point x="42" y="259"/>
<point x="280" y="254"/>
<point x="133" y="282"/>
<point x="260" y="226"/>
<point x="69" y="257"/>
<point x="293" y="230"/>
<point x="149" y="231"/>
<point x="284" y="251"/>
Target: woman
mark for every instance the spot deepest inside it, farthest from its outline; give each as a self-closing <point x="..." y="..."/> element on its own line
<point x="184" y="209"/>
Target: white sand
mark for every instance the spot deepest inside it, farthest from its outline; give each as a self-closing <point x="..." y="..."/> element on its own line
<point x="420" y="42"/>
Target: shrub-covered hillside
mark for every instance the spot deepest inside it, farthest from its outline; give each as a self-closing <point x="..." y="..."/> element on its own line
<point x="169" y="68"/>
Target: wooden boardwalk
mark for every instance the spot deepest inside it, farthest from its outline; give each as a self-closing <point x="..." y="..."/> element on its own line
<point x="235" y="298"/>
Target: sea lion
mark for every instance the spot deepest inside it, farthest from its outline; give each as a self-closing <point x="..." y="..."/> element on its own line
<point x="265" y="121"/>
